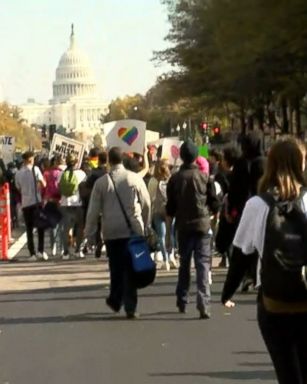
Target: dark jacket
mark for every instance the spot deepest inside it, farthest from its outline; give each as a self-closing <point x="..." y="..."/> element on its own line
<point x="190" y="198"/>
<point x="246" y="174"/>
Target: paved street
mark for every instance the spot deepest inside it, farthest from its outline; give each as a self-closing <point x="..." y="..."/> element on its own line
<point x="56" y="328"/>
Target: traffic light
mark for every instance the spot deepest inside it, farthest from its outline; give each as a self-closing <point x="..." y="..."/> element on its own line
<point x="216" y="131"/>
<point x="204" y="126"/>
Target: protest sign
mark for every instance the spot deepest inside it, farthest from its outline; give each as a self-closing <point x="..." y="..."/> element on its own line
<point x="64" y="146"/>
<point x="171" y="150"/>
<point x="126" y="134"/>
<point x="7" y="148"/>
<point x="203" y="151"/>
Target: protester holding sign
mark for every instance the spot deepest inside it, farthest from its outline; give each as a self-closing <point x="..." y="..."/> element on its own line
<point x="29" y="182"/>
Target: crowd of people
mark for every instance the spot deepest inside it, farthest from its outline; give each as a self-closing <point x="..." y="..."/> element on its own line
<point x="247" y="207"/>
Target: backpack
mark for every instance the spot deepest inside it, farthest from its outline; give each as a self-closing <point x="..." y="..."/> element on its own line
<point x="68" y="183"/>
<point x="52" y="184"/>
<point x="285" y="251"/>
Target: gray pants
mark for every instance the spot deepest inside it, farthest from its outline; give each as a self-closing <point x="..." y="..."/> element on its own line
<point x="72" y="220"/>
<point x="200" y="245"/>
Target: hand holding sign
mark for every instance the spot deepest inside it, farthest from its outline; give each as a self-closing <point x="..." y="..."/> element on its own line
<point x="126" y="134"/>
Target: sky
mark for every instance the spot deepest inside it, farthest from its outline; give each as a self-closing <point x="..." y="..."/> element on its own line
<point x="118" y="36"/>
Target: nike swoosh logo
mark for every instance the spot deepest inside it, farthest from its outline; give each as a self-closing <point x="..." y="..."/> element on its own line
<point x="137" y="255"/>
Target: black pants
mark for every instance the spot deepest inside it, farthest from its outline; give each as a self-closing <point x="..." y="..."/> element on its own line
<point x="285" y="336"/>
<point x="123" y="289"/>
<point x="28" y="214"/>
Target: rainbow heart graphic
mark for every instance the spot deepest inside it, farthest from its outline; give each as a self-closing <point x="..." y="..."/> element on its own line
<point x="128" y="135"/>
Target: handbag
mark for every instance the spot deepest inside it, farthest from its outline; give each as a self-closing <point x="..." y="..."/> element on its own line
<point x="144" y="268"/>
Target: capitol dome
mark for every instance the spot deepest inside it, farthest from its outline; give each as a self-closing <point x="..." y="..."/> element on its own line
<point x="74" y="75"/>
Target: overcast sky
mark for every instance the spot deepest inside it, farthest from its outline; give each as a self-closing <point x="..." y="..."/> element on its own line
<point x="118" y="36"/>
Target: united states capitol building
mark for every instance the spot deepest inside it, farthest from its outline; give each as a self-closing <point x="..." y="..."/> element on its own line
<point x="75" y="105"/>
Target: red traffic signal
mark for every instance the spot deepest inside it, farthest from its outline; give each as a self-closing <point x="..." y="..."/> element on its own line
<point x="204" y="126"/>
<point x="216" y="131"/>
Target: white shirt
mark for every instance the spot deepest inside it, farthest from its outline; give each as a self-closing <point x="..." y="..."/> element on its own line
<point x="25" y="183"/>
<point x="74" y="200"/>
<point x="250" y="234"/>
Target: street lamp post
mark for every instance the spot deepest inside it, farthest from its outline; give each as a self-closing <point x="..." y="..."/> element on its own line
<point x="178" y="129"/>
<point x="184" y="127"/>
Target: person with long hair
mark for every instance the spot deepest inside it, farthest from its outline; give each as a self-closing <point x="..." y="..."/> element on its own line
<point x="282" y="322"/>
<point x="157" y="191"/>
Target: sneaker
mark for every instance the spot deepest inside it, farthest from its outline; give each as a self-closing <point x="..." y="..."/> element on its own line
<point x="166" y="266"/>
<point x="181" y="308"/>
<point x="32" y="258"/>
<point x="132" y="315"/>
<point x="66" y="256"/>
<point x="53" y="252"/>
<point x="173" y="263"/>
<point x="80" y="254"/>
<point x="204" y="315"/>
<point x="210" y="277"/>
<point x="112" y="306"/>
<point x="43" y="256"/>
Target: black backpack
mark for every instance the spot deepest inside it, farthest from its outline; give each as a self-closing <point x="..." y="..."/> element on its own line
<point x="285" y="250"/>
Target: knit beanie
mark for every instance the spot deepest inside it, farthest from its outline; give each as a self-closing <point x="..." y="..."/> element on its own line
<point x="188" y="152"/>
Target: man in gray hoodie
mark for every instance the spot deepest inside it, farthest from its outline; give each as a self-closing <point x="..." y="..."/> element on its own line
<point x="104" y="201"/>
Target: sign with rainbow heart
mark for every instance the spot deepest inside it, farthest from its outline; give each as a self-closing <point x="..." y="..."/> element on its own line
<point x="126" y="134"/>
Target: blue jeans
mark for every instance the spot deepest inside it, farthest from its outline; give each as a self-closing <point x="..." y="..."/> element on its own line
<point x="160" y="227"/>
<point x="198" y="244"/>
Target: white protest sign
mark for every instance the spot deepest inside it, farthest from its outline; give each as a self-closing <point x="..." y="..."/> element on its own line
<point x="64" y="146"/>
<point x="151" y="136"/>
<point x="129" y="135"/>
<point x="7" y="148"/>
<point x="171" y="150"/>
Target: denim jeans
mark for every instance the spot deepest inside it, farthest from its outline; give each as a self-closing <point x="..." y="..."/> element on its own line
<point x="198" y="244"/>
<point x="72" y="218"/>
<point x="28" y="214"/>
<point x="122" y="287"/>
<point x="160" y="227"/>
<point x="285" y="336"/>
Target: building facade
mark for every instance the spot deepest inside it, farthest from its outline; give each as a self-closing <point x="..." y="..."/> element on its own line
<point x="75" y="105"/>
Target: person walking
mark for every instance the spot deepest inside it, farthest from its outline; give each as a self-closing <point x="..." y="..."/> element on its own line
<point x="157" y="191"/>
<point x="190" y="199"/>
<point x="71" y="207"/>
<point x="274" y="225"/>
<point x="131" y="190"/>
<point x="52" y="196"/>
<point x="29" y="181"/>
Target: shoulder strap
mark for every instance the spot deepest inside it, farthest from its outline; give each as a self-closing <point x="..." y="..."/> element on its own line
<point x="35" y="184"/>
<point x="268" y="198"/>
<point x="121" y="203"/>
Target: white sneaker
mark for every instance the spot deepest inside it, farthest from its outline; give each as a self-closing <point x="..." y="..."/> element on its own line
<point x="43" y="256"/>
<point x="210" y="277"/>
<point x="80" y="254"/>
<point x="53" y="252"/>
<point x="166" y="266"/>
<point x="173" y="262"/>
<point x="65" y="257"/>
<point x="159" y="256"/>
<point x="32" y="258"/>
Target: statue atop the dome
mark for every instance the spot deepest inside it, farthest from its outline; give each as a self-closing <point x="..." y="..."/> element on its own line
<point x="72" y="37"/>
